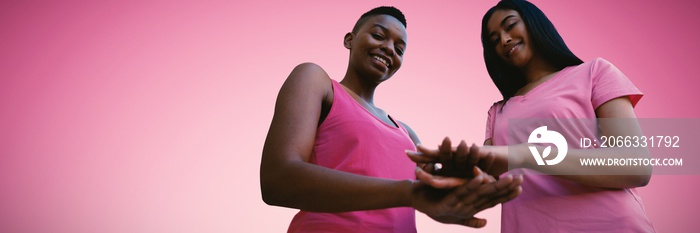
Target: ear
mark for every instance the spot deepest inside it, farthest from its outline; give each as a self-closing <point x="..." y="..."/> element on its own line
<point x="347" y="41"/>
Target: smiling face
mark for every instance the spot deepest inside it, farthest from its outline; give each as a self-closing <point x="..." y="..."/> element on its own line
<point x="377" y="47"/>
<point x="509" y="36"/>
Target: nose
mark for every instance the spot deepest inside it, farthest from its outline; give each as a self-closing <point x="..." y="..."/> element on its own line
<point x="388" y="48"/>
<point x="506" y="39"/>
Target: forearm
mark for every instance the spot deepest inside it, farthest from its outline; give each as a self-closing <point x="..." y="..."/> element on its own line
<point x="572" y="168"/>
<point x="310" y="187"/>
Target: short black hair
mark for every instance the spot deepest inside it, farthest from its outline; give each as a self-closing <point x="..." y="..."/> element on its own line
<point x="382" y="10"/>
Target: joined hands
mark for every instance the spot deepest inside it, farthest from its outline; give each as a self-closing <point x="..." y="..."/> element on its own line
<point x="461" y="187"/>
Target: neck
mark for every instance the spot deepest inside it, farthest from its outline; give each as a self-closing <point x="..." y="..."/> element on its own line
<point x="361" y="87"/>
<point x="537" y="70"/>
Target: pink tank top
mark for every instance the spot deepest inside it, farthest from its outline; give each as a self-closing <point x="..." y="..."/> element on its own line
<point x="353" y="140"/>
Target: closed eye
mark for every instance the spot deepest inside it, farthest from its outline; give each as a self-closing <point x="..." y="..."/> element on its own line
<point x="377" y="36"/>
<point x="495" y="40"/>
<point x="510" y="26"/>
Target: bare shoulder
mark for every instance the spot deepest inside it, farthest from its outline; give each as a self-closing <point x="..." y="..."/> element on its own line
<point x="309" y="74"/>
<point x="308" y="79"/>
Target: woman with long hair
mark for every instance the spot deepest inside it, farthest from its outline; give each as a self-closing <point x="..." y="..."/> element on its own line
<point x="543" y="83"/>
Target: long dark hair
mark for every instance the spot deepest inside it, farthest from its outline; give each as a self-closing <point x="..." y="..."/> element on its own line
<point x="544" y="37"/>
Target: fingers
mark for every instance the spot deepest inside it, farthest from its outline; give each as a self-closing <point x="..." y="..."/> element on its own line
<point x="438" y="182"/>
<point x="518" y="180"/>
<point x="506" y="191"/>
<point x="489" y="178"/>
<point x="427" y="167"/>
<point x="460" y="205"/>
<point x="498" y="200"/>
<point x="474" y="155"/>
<point x="423" y="176"/>
<point x="421" y="156"/>
<point x="474" y="183"/>
<point x="463" y="203"/>
<point x="473" y="222"/>
<point x="468" y="210"/>
<point x="494" y="187"/>
<point x="486" y="162"/>
<point x="446" y="155"/>
<point x="457" y="162"/>
<point x="427" y="152"/>
<point x="466" y="193"/>
<point x="464" y="161"/>
<point x="462" y="155"/>
<point x="486" y="195"/>
<point x="469" y="222"/>
<point x="472" y="191"/>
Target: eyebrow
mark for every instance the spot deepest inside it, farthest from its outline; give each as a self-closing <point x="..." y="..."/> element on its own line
<point x="503" y="22"/>
<point x="386" y="30"/>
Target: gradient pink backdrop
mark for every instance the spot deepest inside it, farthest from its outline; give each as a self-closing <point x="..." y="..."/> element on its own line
<point x="151" y="116"/>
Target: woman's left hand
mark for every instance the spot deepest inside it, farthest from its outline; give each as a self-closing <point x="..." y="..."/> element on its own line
<point x="454" y="162"/>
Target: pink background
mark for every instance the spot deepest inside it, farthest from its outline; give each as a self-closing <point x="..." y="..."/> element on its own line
<point x="150" y="117"/>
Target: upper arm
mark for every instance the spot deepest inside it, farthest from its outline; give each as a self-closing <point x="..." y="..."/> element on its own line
<point x="613" y="96"/>
<point x="297" y="111"/>
<point x="620" y="107"/>
<point x="411" y="134"/>
<point x="617" y="118"/>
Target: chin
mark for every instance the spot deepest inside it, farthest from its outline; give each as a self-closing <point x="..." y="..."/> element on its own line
<point x="517" y="63"/>
<point x="374" y="75"/>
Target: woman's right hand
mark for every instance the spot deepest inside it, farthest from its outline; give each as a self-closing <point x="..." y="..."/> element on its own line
<point x="459" y="202"/>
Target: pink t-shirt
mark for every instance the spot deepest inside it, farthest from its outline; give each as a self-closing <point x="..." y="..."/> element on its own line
<point x="353" y="140"/>
<point x="553" y="204"/>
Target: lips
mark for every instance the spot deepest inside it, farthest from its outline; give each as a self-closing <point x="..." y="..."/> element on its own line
<point x="513" y="49"/>
<point x="382" y="59"/>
